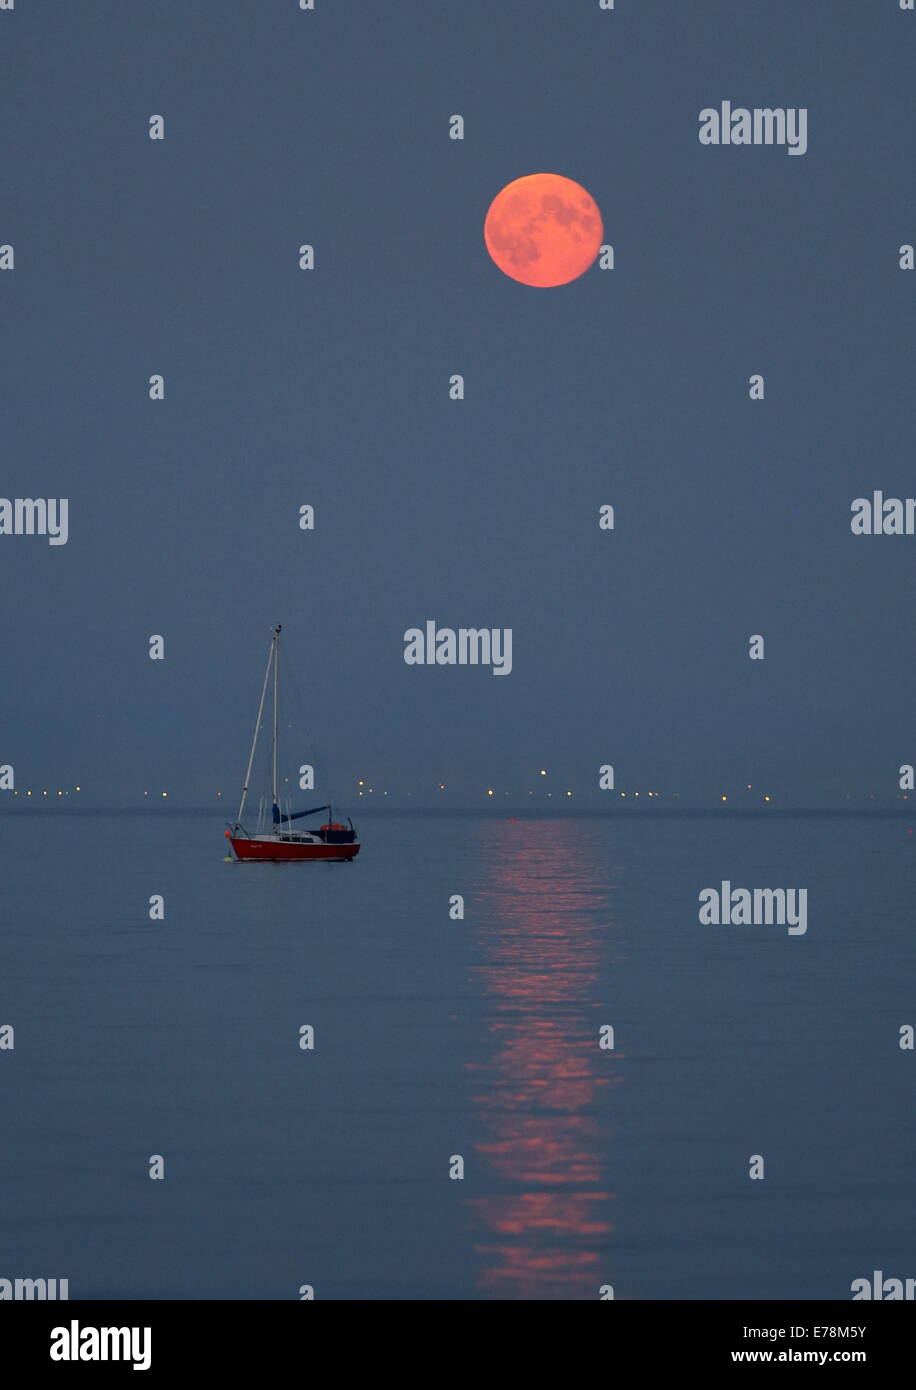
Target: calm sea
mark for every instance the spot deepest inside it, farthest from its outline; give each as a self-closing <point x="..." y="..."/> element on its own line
<point x="437" y="1038"/>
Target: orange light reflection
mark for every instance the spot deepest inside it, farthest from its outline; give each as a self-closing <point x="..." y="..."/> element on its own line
<point x="542" y="1226"/>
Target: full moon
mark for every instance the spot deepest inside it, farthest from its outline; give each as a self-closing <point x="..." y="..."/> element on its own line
<point x="543" y="230"/>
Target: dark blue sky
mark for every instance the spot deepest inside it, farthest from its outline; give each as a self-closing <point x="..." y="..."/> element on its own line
<point x="331" y="388"/>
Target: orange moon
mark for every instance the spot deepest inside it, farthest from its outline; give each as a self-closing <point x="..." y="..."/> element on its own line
<point x="543" y="230"/>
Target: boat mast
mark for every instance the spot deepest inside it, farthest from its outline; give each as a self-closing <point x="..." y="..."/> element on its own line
<point x="257" y="727"/>
<point x="273" y="754"/>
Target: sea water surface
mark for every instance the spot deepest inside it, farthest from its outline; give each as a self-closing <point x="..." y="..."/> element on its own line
<point x="437" y="1039"/>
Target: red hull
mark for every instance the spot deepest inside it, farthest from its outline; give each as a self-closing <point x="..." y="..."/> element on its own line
<point x="276" y="851"/>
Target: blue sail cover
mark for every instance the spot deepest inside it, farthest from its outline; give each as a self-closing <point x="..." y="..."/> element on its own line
<point x="296" y="815"/>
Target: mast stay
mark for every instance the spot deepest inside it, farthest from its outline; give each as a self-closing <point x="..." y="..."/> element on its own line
<point x="271" y="660"/>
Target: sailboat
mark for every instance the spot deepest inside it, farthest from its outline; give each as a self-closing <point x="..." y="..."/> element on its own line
<point x="331" y="841"/>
